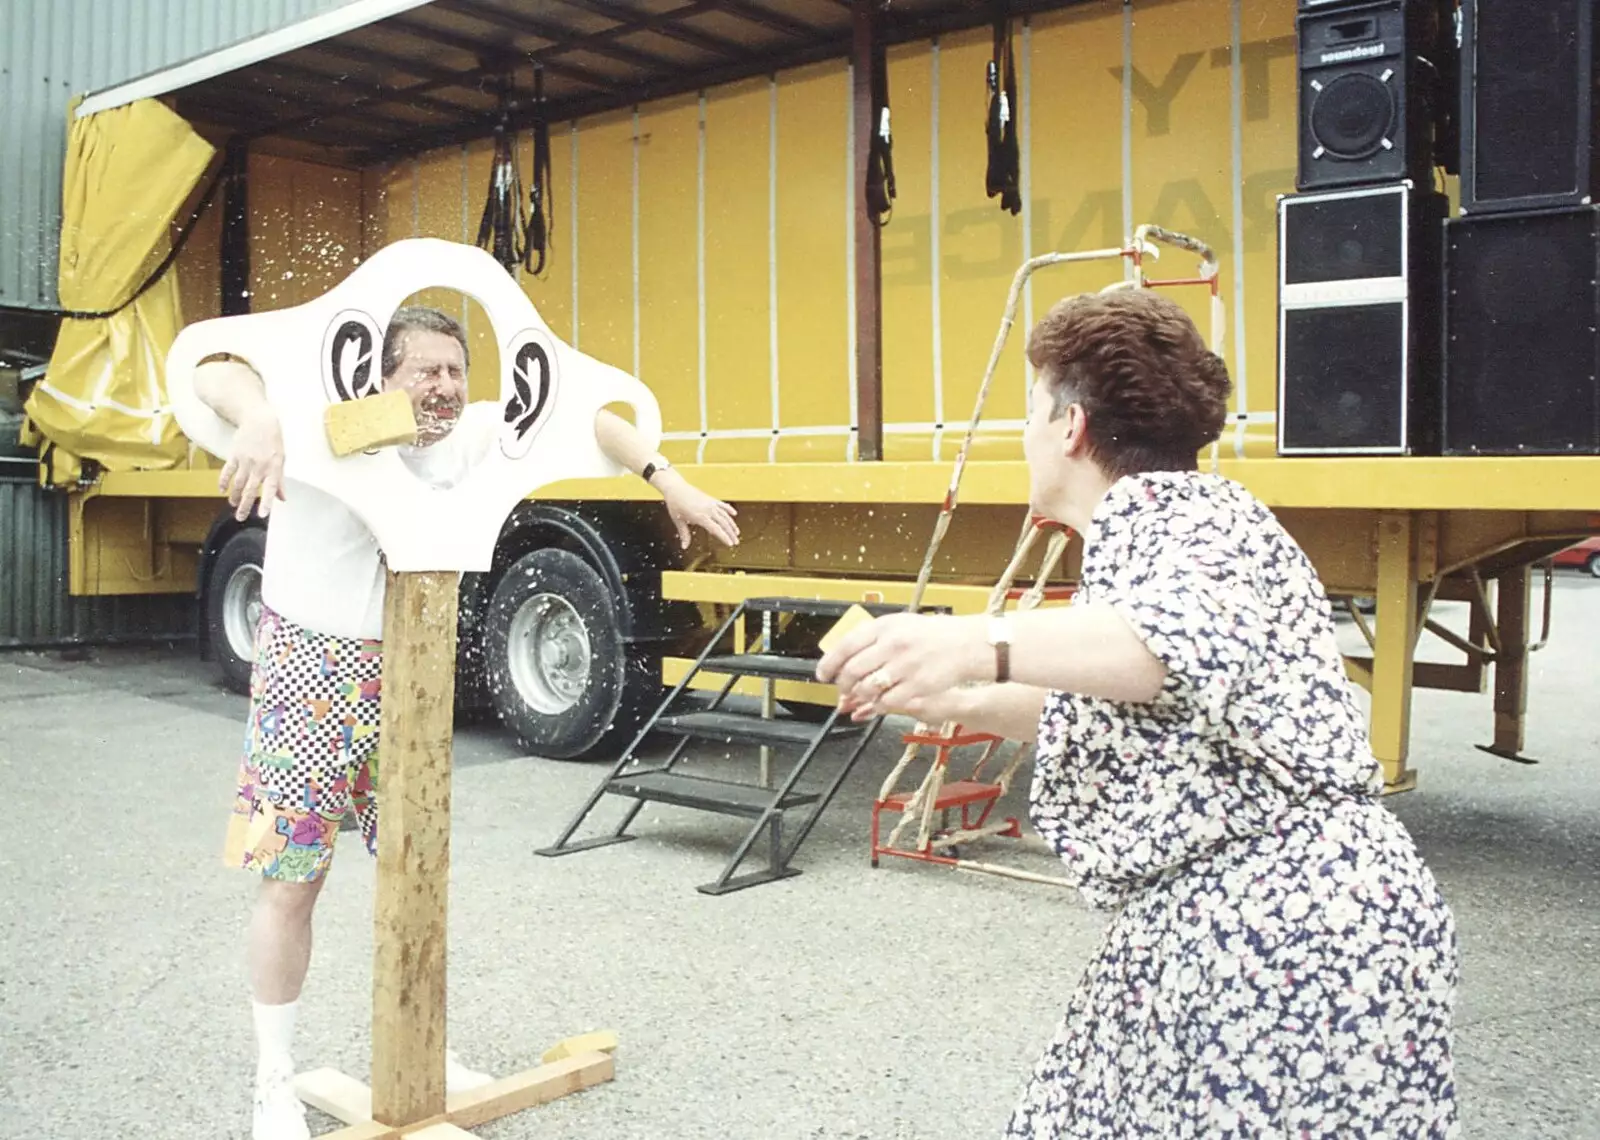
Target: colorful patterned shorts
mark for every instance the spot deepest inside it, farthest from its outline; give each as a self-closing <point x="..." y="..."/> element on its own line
<point x="310" y="753"/>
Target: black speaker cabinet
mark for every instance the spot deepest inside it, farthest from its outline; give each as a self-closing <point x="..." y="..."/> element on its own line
<point x="1365" y="103"/>
<point x="1358" y="321"/>
<point x="1522" y="354"/>
<point x="1527" y="104"/>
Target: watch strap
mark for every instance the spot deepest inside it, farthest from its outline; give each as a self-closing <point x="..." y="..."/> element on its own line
<point x="1000" y="638"/>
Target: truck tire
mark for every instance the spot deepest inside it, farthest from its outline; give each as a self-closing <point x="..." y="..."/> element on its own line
<point x="1593" y="565"/>
<point x="560" y="675"/>
<point x="233" y="606"/>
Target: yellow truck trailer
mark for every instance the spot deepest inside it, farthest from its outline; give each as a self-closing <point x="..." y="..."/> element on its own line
<point x="816" y="362"/>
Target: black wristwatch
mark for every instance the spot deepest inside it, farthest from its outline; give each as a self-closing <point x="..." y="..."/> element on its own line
<point x="651" y="468"/>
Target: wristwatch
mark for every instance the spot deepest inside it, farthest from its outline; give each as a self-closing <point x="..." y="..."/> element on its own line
<point x="1000" y="638"/>
<point x="651" y="468"/>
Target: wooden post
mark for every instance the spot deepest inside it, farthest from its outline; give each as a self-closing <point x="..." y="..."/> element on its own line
<point x="869" y="277"/>
<point x="408" y="977"/>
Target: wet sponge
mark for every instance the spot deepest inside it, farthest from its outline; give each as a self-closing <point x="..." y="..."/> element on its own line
<point x="372" y="421"/>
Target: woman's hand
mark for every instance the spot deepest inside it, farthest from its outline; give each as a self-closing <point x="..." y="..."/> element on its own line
<point x="914" y="664"/>
<point x="689" y="506"/>
<point x="254" y="471"/>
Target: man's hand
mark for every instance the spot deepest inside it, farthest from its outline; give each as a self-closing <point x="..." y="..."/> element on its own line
<point x="254" y="471"/>
<point x="689" y="506"/>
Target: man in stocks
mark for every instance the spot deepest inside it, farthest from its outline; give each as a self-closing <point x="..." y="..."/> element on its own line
<point x="312" y="737"/>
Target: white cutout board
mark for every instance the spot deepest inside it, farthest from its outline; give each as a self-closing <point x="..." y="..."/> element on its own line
<point x="329" y="350"/>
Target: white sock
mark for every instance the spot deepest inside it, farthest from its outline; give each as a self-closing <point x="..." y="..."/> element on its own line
<point x="274" y="1036"/>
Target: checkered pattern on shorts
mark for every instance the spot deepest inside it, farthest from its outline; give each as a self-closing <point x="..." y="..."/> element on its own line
<point x="311" y="750"/>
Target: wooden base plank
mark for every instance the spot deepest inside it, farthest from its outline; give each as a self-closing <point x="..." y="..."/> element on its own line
<point x="344" y="1098"/>
<point x="601" y="1041"/>
<point x="371" y="1130"/>
<point x="531" y="1087"/>
<point x="444" y="1131"/>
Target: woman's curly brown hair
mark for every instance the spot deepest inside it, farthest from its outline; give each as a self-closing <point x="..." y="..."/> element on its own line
<point x="1153" y="394"/>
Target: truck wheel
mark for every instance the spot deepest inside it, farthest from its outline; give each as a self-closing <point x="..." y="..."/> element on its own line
<point x="1593" y="565"/>
<point x="560" y="675"/>
<point x="233" y="606"/>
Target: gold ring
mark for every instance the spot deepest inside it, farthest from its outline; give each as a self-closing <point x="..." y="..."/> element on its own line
<point x="880" y="677"/>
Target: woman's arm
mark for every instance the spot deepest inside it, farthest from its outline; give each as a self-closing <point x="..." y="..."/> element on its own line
<point x="906" y="662"/>
<point x="687" y="505"/>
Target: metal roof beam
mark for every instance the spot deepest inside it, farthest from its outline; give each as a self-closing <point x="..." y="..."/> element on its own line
<point x="378" y="94"/>
<point x="664" y="24"/>
<point x="766" y="17"/>
<point x="683" y="83"/>
<point x="560" y="39"/>
<point x="483" y="51"/>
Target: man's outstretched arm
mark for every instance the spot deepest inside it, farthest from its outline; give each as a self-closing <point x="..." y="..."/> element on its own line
<point x="687" y="505"/>
<point x="254" y="469"/>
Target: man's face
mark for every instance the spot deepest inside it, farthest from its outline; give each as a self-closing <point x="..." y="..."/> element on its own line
<point x="433" y="371"/>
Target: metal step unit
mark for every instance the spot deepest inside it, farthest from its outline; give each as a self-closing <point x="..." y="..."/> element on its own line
<point x="783" y="813"/>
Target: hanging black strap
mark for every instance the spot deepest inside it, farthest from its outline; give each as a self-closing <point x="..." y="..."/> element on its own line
<point x="539" y="199"/>
<point x="510" y="233"/>
<point x="1004" y="175"/>
<point x="880" y="158"/>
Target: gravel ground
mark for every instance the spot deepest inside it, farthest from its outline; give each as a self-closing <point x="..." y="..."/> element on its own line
<point x="906" y="1002"/>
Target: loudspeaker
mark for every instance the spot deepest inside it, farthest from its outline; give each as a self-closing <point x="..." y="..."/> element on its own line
<point x="1522" y="354"/>
<point x="1527" y="104"/>
<point x="1366" y="100"/>
<point x="1358" y="321"/>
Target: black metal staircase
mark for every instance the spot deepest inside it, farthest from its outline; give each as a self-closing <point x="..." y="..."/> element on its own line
<point x="771" y="810"/>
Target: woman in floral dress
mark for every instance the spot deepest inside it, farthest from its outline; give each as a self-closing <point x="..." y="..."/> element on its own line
<point x="1281" y="962"/>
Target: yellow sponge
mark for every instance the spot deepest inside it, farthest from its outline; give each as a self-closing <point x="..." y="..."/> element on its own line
<point x="853" y="617"/>
<point x="372" y="421"/>
<point x="603" y="1041"/>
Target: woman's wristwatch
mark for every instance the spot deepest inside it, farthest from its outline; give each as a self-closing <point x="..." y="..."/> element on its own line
<point x="1000" y="638"/>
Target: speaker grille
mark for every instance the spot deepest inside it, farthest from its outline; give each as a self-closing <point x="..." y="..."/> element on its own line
<point x="1527" y="71"/>
<point x="1343" y="238"/>
<point x="1344" y="372"/>
<point x="1522" y="347"/>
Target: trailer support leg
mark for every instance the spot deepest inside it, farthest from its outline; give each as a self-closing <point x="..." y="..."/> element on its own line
<point x="1395" y="642"/>
<point x="1512" y="601"/>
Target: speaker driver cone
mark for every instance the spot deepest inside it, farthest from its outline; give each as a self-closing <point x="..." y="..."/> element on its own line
<point x="1352" y="115"/>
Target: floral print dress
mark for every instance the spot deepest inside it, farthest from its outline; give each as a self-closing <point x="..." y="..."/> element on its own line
<point x="1281" y="962"/>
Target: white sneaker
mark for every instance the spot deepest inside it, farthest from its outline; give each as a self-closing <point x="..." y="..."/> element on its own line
<point x="459" y="1078"/>
<point x="279" y="1115"/>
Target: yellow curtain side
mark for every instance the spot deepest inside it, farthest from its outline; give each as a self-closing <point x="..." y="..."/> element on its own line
<point x="128" y="172"/>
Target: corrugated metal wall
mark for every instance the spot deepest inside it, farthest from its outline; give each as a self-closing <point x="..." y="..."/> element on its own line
<point x="35" y="608"/>
<point x="53" y="49"/>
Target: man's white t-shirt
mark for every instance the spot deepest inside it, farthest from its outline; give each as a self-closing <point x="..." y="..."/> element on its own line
<point x="323" y="569"/>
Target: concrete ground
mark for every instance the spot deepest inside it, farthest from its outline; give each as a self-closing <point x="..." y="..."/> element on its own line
<point x="907" y="1002"/>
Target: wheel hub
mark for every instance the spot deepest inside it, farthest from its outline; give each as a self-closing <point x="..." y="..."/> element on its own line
<point x="241" y="610"/>
<point x="548" y="654"/>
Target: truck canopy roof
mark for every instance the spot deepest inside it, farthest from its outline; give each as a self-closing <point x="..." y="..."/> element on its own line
<point x="376" y="80"/>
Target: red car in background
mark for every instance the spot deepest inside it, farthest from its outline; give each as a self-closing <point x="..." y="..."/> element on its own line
<point x="1585" y="555"/>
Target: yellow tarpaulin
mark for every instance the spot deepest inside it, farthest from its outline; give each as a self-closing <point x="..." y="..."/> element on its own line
<point x="128" y="172"/>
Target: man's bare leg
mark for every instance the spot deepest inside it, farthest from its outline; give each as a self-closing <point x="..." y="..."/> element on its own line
<point x="280" y="939"/>
<point x="280" y="954"/>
